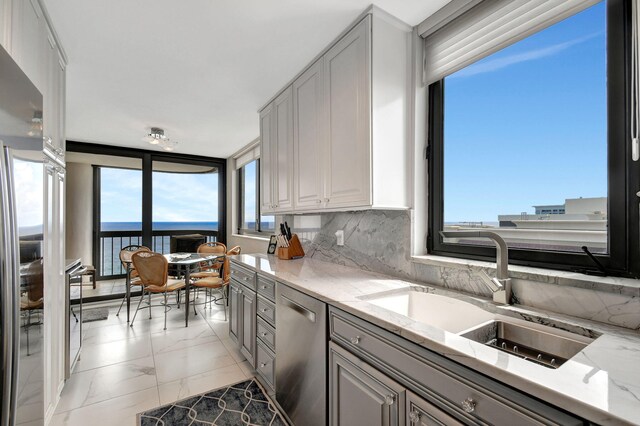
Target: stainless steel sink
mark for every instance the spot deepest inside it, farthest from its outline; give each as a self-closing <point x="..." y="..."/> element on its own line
<point x="549" y="348"/>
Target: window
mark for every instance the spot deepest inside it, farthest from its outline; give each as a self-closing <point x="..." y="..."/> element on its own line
<point x="530" y="142"/>
<point x="249" y="201"/>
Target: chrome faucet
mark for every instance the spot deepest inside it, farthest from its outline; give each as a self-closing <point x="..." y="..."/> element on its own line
<point x="501" y="284"/>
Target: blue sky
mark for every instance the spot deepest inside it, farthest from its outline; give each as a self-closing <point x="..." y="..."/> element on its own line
<point x="527" y="125"/>
<point x="177" y="197"/>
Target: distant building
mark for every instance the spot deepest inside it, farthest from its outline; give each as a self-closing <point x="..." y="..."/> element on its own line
<point x="551" y="209"/>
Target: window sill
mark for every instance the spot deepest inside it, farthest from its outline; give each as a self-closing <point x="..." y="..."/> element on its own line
<point x="251" y="237"/>
<point x="625" y="286"/>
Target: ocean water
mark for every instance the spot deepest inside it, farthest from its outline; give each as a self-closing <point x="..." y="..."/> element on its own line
<point x="159" y="226"/>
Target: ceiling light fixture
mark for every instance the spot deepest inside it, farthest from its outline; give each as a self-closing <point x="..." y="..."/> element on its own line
<point x="158" y="137"/>
<point x="35" y="129"/>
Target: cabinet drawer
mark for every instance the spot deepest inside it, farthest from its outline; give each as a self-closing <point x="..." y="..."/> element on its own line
<point x="448" y="384"/>
<point x="267" y="288"/>
<point x="267" y="311"/>
<point x="244" y="276"/>
<point x="266" y="333"/>
<point x="265" y="365"/>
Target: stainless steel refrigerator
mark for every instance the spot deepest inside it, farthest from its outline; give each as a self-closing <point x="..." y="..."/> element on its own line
<point x="22" y="292"/>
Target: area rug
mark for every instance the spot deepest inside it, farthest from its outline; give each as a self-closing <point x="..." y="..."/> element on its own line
<point x="95" y="314"/>
<point x="243" y="403"/>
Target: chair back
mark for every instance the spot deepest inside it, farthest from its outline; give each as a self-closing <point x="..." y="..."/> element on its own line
<point x="212" y="247"/>
<point x="234" y="251"/>
<point x="35" y="280"/>
<point x="127" y="252"/>
<point x="151" y="266"/>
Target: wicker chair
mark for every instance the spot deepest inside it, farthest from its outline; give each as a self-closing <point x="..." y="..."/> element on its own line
<point x="217" y="283"/>
<point x="125" y="259"/>
<point x="32" y="299"/>
<point x="233" y="251"/>
<point x="209" y="270"/>
<point x="152" y="270"/>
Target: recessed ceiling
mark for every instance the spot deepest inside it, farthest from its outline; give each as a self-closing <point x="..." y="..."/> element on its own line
<point x="199" y="69"/>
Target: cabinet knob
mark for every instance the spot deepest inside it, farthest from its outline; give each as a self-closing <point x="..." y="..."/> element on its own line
<point x="263" y="287"/>
<point x="326" y="200"/>
<point x="263" y="334"/>
<point x="355" y="340"/>
<point x="414" y="416"/>
<point x="245" y="278"/>
<point x="263" y="364"/>
<point x="318" y="201"/>
<point x="239" y="291"/>
<point x="389" y="399"/>
<point x="469" y="405"/>
<point x="265" y="309"/>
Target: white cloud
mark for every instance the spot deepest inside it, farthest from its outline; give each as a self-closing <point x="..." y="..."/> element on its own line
<point x="531" y="55"/>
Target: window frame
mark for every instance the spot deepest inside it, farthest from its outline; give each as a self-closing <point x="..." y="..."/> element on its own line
<point x="623" y="224"/>
<point x="241" y="202"/>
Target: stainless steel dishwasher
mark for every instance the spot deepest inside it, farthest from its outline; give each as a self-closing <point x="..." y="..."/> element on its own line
<point x="301" y="356"/>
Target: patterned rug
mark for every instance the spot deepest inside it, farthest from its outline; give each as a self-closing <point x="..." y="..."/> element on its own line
<point x="95" y="314"/>
<point x="243" y="403"/>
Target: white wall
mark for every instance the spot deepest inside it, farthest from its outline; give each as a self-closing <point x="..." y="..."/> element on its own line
<point x="79" y="212"/>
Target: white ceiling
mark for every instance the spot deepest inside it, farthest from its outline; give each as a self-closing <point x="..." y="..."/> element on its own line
<point x="200" y="69"/>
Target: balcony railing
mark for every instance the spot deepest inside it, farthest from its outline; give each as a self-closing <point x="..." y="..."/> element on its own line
<point x="111" y="242"/>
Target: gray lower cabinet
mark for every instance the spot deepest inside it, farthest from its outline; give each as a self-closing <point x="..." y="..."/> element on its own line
<point x="248" y="341"/>
<point x="361" y="395"/>
<point x="371" y="367"/>
<point x="235" y="312"/>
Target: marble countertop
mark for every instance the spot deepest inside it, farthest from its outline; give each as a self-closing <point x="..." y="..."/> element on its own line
<point x="601" y="383"/>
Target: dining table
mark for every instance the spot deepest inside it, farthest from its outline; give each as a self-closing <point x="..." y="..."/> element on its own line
<point x="182" y="265"/>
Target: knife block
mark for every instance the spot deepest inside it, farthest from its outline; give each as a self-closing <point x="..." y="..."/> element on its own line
<point x="294" y="251"/>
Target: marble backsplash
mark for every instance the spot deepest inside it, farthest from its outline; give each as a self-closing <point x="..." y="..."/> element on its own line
<point x="380" y="241"/>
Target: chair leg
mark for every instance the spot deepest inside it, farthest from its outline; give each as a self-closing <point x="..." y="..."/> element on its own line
<point x="138" y="308"/>
<point x="165" y="310"/>
<point x="195" y="312"/>
<point x="121" y="303"/>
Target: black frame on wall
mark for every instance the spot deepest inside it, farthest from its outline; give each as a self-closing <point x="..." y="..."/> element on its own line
<point x="147" y="158"/>
<point x="623" y="258"/>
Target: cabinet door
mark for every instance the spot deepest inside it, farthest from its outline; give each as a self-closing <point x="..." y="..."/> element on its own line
<point x="235" y="312"/>
<point x="283" y="172"/>
<point x="308" y="137"/>
<point x="51" y="119"/>
<point x="62" y="102"/>
<point x="348" y="98"/>
<point x="28" y="40"/>
<point x="267" y="168"/>
<point x="5" y="24"/>
<point x="248" y="339"/>
<point x="360" y="394"/>
<point x="422" y="413"/>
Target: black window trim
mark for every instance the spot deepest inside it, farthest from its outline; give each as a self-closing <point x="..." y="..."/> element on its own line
<point x="246" y="231"/>
<point x="624" y="174"/>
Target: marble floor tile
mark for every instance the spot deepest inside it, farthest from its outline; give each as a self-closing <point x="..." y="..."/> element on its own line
<point x="233" y="349"/>
<point x="114" y="332"/>
<point x="180" y="338"/>
<point x="99" y="384"/>
<point x="190" y="361"/>
<point x="246" y="368"/>
<point x="185" y="387"/>
<point x="119" y="411"/>
<point x="101" y="355"/>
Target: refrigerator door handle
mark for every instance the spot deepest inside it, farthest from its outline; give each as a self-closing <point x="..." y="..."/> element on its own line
<point x="12" y="281"/>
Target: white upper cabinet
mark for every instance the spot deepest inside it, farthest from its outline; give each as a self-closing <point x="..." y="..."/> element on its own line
<point x="347" y="164"/>
<point x="266" y="160"/>
<point x="29" y="40"/>
<point x="51" y="119"/>
<point x="283" y="173"/>
<point x="309" y="137"/>
<point x="5" y="24"/>
<point x="349" y="125"/>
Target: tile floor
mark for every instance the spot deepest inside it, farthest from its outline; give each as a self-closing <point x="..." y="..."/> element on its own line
<point x="125" y="370"/>
<point x="104" y="287"/>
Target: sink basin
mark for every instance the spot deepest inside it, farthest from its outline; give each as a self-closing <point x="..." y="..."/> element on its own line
<point x="443" y="312"/>
<point x="549" y="348"/>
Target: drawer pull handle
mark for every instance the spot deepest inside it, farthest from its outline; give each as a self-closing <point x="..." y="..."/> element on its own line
<point x="414" y="416"/>
<point x="469" y="405"/>
<point x="389" y="399"/>
<point x="355" y="340"/>
<point x="263" y="364"/>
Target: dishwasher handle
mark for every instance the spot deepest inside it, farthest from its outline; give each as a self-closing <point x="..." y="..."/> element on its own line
<point x="310" y="315"/>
